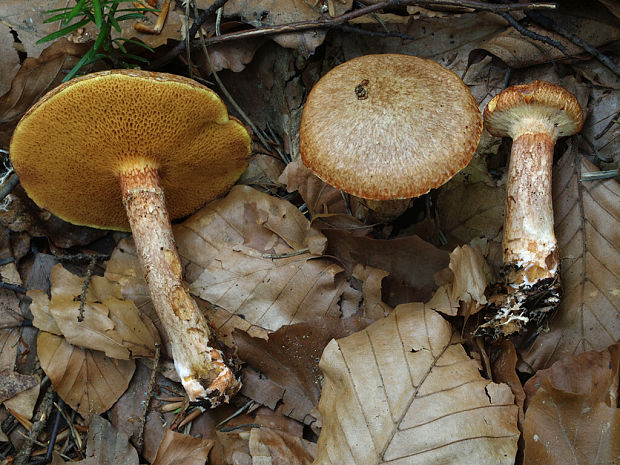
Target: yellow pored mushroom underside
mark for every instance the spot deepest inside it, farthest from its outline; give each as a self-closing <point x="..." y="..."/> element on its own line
<point x="70" y="148"/>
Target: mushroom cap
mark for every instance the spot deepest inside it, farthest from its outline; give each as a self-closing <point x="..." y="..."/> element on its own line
<point x="540" y="107"/>
<point x="389" y="126"/>
<point x="70" y="147"/>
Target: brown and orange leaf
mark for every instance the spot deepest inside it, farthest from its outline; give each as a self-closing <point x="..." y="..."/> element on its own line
<point x="573" y="414"/>
<point x="105" y="445"/>
<point x="110" y="324"/>
<point x="87" y="380"/>
<point x="290" y="359"/>
<point x="587" y="225"/>
<point x="403" y="392"/>
<point x="270" y="446"/>
<point x="182" y="449"/>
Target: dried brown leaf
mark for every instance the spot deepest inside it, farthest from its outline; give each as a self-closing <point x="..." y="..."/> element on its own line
<point x="24" y="403"/>
<point x="107" y="446"/>
<point x="505" y="371"/>
<point x="273" y="12"/>
<point x="320" y="197"/>
<point x="35" y="77"/>
<point x="270" y="446"/>
<point x="587" y="225"/>
<point x="290" y="359"/>
<point x="88" y="381"/>
<point x="519" y="51"/>
<point x="181" y="449"/>
<point x="472" y="275"/>
<point x="410" y="261"/>
<point x="9" y="58"/>
<point x="573" y="414"/>
<point x="110" y="323"/>
<point x="373" y="306"/>
<point x="402" y="392"/>
<point x="12" y="383"/>
<point x="40" y="309"/>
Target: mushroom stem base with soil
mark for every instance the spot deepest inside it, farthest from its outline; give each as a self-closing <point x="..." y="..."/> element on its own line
<point x="201" y="368"/>
<point x="531" y="288"/>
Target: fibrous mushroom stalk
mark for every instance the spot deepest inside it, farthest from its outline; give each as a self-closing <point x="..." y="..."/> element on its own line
<point x="201" y="368"/>
<point x="534" y="116"/>
<point x="531" y="261"/>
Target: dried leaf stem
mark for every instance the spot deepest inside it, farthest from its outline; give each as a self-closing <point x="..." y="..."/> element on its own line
<point x="147" y="399"/>
<point x="42" y="415"/>
<point x="331" y="22"/>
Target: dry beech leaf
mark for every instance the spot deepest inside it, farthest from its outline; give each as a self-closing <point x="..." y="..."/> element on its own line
<point x="88" y="381"/>
<point x="587" y="225"/>
<point x="320" y="197"/>
<point x="273" y="12"/>
<point x="572" y="414"/>
<point x="290" y="359"/>
<point x="9" y="58"/>
<point x="269" y="446"/>
<point x="504" y="369"/>
<point x="40" y="309"/>
<point x="410" y="261"/>
<point x="472" y="275"/>
<point x="173" y="28"/>
<point x="35" y="77"/>
<point x="518" y="51"/>
<point x="24" y="403"/>
<point x="227" y="248"/>
<point x="182" y="449"/>
<point x="107" y="446"/>
<point x="402" y="392"/>
<point x="373" y="306"/>
<point x="12" y="383"/>
<point x="111" y="324"/>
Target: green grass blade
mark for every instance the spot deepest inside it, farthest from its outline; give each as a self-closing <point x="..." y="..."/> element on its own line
<point x="63" y="31"/>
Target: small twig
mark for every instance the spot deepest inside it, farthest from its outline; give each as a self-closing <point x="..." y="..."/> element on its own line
<point x="532" y="35"/>
<point x="42" y="416"/>
<point x="247" y="425"/>
<point x="54" y="433"/>
<point x="331" y="22"/>
<point x="613" y="121"/>
<point x="594" y="150"/>
<point x="549" y="23"/>
<point x="12" y="287"/>
<point x="81" y="258"/>
<point x="294" y="253"/>
<point x="8" y="185"/>
<point x="237" y="413"/>
<point x="147" y="399"/>
<point x="87" y="278"/>
<point x="599" y="175"/>
<point x="366" y="32"/>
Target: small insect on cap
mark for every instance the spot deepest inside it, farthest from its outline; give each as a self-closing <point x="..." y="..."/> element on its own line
<point x="69" y="148"/>
<point x="389" y="126"/>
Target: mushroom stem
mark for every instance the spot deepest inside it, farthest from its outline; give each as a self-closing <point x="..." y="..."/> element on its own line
<point x="530" y="246"/>
<point x="200" y="367"/>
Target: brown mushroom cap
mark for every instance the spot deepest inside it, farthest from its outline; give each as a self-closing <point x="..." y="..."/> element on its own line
<point x="389" y="126"/>
<point x="540" y="107"/>
<point x="69" y="149"/>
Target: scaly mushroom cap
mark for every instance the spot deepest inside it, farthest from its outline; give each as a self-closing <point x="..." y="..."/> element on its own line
<point x="389" y="126"/>
<point x="540" y="107"/>
<point x="69" y="148"/>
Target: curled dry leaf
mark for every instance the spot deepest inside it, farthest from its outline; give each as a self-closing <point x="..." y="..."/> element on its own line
<point x="35" y="77"/>
<point x="246" y="254"/>
<point x="269" y="446"/>
<point x="472" y="275"/>
<point x="573" y="414"/>
<point x="182" y="449"/>
<point x="9" y="58"/>
<point x="290" y="359"/>
<point x="107" y="446"/>
<point x="587" y="225"/>
<point x="110" y="323"/>
<point x="88" y="381"/>
<point x="519" y="51"/>
<point x="402" y="392"/>
<point x="320" y="197"/>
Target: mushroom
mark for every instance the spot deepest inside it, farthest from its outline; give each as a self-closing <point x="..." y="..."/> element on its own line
<point x="534" y="116"/>
<point x="150" y="133"/>
<point x="385" y="127"/>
